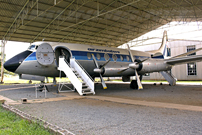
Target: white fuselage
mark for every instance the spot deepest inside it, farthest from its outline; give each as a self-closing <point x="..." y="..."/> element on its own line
<point x="120" y="59"/>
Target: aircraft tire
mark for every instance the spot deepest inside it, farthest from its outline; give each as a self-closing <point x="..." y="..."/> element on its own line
<point x="133" y="84"/>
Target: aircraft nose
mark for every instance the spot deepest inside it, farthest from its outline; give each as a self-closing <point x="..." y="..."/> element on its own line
<point x="13" y="63"/>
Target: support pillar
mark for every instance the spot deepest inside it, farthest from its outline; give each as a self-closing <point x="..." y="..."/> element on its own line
<point x="2" y="59"/>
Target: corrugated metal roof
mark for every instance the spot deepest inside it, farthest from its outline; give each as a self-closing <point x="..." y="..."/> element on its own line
<point x="97" y="22"/>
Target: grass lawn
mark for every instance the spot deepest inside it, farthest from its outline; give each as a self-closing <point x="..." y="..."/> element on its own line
<point x="11" y="124"/>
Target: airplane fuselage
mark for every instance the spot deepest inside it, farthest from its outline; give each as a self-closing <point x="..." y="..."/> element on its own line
<point x="120" y="59"/>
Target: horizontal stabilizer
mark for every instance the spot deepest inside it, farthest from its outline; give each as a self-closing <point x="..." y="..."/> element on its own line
<point x="186" y="59"/>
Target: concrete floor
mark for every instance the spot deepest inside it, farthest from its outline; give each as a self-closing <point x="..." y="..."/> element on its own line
<point x="157" y="109"/>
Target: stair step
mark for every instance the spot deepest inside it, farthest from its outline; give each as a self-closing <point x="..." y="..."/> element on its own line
<point x="84" y="87"/>
<point x="88" y="93"/>
<point x="73" y="69"/>
<point x="77" y="75"/>
<point x="86" y="90"/>
<point x="83" y="83"/>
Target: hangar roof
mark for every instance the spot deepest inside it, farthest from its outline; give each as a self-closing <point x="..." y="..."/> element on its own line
<point x="97" y="22"/>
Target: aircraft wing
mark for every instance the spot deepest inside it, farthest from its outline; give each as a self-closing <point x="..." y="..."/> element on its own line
<point x="186" y="59"/>
<point x="188" y="53"/>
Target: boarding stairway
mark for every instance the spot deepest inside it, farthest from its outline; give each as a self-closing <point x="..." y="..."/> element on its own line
<point x="77" y="75"/>
<point x="169" y="77"/>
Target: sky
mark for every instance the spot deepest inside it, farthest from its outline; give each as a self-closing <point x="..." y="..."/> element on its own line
<point x="175" y="30"/>
<point x="12" y="48"/>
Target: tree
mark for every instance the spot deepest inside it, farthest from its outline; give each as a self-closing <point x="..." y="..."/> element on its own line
<point x="5" y="71"/>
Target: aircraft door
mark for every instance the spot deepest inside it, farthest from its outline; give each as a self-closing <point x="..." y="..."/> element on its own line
<point x="64" y="52"/>
<point x="45" y="54"/>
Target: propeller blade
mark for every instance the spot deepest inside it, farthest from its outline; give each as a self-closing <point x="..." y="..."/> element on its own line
<point x="102" y="66"/>
<point x="137" y="76"/>
<point x="130" y="53"/>
<point x="95" y="61"/>
<point x="123" y="70"/>
<point x="141" y="61"/>
<point x="138" y="80"/>
<point x="103" y="82"/>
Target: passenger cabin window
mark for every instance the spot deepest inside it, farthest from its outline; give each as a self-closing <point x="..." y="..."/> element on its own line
<point x="114" y="57"/>
<point x="128" y="59"/>
<point x="98" y="56"/>
<point x="121" y="57"/>
<point x="106" y="56"/>
<point x="89" y="55"/>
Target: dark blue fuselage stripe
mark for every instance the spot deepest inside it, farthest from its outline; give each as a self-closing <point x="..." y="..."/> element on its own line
<point x="82" y="55"/>
<point x="31" y="57"/>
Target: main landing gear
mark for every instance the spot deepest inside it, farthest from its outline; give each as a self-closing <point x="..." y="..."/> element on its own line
<point x="134" y="84"/>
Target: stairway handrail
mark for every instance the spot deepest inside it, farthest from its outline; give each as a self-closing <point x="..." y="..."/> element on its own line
<point x="64" y="66"/>
<point x="65" y="61"/>
<point x="83" y="69"/>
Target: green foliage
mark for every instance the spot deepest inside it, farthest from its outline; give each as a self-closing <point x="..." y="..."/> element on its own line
<point x="5" y="71"/>
<point x="12" y="124"/>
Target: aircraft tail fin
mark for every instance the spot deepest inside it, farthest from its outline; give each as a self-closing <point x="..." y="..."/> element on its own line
<point x="161" y="52"/>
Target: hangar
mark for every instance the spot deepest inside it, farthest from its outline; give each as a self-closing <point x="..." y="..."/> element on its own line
<point x="99" y="22"/>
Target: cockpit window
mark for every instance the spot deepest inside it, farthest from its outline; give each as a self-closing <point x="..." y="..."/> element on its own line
<point x="32" y="47"/>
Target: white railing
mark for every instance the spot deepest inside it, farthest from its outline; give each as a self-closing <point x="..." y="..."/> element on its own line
<point x="63" y="66"/>
<point x="83" y="73"/>
<point x="83" y="69"/>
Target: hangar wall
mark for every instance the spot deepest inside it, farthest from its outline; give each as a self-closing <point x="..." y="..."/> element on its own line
<point x="181" y="71"/>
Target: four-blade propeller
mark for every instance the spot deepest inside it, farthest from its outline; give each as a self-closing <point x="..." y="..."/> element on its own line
<point x="100" y="70"/>
<point x="134" y="66"/>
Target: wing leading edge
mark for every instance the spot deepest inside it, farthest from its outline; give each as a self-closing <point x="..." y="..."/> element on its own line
<point x="182" y="60"/>
<point x="188" y="53"/>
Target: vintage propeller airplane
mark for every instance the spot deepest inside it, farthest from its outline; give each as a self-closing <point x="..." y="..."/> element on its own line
<point x="47" y="59"/>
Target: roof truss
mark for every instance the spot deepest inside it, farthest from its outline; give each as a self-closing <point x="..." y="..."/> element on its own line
<point x="96" y="22"/>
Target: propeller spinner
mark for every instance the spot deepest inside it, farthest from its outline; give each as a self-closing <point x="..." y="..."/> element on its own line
<point x="99" y="70"/>
<point x="134" y="66"/>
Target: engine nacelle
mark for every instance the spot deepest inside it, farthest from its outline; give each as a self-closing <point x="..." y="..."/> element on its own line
<point x="154" y="65"/>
